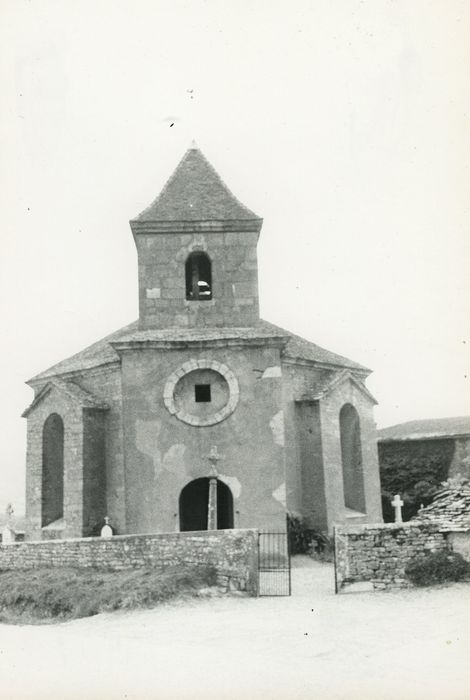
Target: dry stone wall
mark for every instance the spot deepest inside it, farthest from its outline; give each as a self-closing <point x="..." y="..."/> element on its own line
<point x="379" y="554"/>
<point x="233" y="553"/>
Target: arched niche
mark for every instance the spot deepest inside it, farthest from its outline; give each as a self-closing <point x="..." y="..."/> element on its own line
<point x="351" y="458"/>
<point x="52" y="470"/>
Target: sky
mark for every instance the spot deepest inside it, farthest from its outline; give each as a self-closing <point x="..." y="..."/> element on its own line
<point x="344" y="124"/>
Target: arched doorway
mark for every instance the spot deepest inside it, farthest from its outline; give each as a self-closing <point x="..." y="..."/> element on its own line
<point x="194" y="502"/>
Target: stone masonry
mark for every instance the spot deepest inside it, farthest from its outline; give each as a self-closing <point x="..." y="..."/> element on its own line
<point x="233" y="553"/>
<point x="379" y="554"/>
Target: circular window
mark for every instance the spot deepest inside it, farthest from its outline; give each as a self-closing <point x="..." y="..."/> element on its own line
<point x="201" y="392"/>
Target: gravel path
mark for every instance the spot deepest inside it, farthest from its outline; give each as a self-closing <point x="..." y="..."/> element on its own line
<point x="411" y="645"/>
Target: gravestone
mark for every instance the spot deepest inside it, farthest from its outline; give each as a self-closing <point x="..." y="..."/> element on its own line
<point x="397" y="503"/>
<point x="106" y="530"/>
<point x="8" y="532"/>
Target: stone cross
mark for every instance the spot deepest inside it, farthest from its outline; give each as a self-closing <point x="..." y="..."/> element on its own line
<point x="397" y="503"/>
<point x="106" y="530"/>
<point x="213" y="458"/>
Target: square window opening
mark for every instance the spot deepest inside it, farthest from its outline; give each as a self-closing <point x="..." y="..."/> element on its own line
<point x="202" y="393"/>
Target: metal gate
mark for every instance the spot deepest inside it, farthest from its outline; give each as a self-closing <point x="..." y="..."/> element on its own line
<point x="274" y="563"/>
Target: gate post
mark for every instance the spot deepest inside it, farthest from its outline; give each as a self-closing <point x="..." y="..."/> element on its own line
<point x="334" y="558"/>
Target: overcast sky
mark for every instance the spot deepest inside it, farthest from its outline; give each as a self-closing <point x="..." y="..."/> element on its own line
<point x="344" y="124"/>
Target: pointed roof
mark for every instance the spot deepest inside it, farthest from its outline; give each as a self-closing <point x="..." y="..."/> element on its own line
<point x="194" y="193"/>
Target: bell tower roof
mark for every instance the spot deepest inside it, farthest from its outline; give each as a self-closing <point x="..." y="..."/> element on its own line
<point x="195" y="193"/>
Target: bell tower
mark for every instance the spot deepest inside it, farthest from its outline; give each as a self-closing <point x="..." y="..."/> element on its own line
<point x="196" y="246"/>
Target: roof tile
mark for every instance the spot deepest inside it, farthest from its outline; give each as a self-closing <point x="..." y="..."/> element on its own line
<point x="102" y="352"/>
<point x="195" y="192"/>
<point x="450" y="508"/>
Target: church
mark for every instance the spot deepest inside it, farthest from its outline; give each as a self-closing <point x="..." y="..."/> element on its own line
<point x="137" y="426"/>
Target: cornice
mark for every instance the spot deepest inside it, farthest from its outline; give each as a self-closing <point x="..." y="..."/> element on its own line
<point x="131" y="345"/>
<point x="222" y="226"/>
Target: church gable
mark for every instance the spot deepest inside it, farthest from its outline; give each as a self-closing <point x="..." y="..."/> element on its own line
<point x="69" y="392"/>
<point x="330" y="385"/>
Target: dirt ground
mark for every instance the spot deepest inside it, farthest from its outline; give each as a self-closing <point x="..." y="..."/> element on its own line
<point x="410" y="645"/>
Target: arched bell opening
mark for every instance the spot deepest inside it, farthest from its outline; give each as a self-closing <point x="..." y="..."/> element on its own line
<point x="198" y="272"/>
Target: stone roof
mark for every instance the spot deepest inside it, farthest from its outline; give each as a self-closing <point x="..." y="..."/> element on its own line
<point x="326" y="386"/>
<point x="96" y="355"/>
<point x="102" y="352"/>
<point x="299" y="348"/>
<point x="195" y="192"/>
<point x="450" y="508"/>
<point x="430" y="428"/>
<point x="76" y="393"/>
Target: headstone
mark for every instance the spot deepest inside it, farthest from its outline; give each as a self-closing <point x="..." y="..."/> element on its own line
<point x="106" y="530"/>
<point x="8" y="532"/>
<point x="8" y="535"/>
<point x="397" y="503"/>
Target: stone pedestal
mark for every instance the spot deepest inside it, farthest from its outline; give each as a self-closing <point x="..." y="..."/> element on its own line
<point x="212" y="506"/>
<point x="8" y="535"/>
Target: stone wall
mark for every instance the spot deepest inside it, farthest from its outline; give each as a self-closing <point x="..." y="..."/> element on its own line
<point x="164" y="453"/>
<point x="233" y="553"/>
<point x="162" y="291"/>
<point x="315" y="486"/>
<point x="72" y="416"/>
<point x="460" y="542"/>
<point x="330" y="407"/>
<point x="379" y="554"/>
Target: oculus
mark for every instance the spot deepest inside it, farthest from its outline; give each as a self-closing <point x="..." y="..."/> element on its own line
<point x="201" y="392"/>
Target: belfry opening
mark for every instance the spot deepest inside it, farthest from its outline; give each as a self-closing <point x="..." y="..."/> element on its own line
<point x="194" y="505"/>
<point x="198" y="273"/>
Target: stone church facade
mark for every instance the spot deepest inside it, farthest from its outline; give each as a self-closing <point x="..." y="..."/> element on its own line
<point x="133" y="426"/>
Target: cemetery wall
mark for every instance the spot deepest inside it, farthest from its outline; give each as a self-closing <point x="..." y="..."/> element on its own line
<point x="233" y="553"/>
<point x="379" y="554"/>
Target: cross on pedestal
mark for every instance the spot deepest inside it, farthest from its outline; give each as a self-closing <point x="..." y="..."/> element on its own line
<point x="213" y="458"/>
<point x="397" y="503"/>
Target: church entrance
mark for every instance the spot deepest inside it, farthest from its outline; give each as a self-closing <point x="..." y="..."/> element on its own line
<point x="194" y="503"/>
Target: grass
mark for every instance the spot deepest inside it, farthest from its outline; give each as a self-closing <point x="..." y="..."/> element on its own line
<point x="51" y="595"/>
